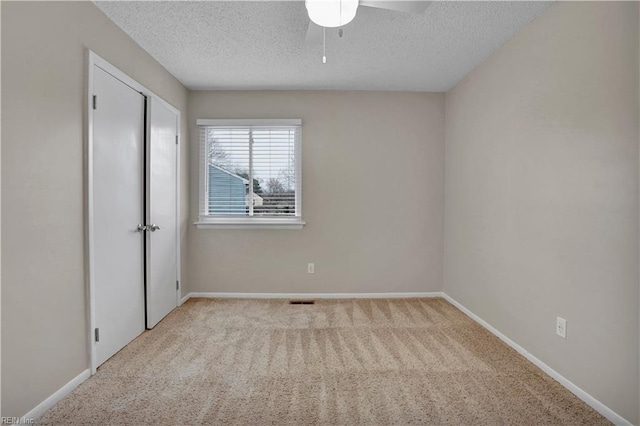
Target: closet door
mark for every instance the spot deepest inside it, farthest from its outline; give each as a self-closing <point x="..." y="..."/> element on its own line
<point x="162" y="231"/>
<point x="116" y="210"/>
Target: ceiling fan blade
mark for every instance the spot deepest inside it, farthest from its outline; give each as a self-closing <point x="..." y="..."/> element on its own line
<point x="314" y="34"/>
<point x="398" y="5"/>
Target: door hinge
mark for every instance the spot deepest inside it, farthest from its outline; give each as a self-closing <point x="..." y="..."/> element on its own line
<point x="97" y="334"/>
<point x="177" y="285"/>
<point x="95" y="101"/>
<point x="176" y="139"/>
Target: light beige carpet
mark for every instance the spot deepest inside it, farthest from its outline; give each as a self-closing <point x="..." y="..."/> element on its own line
<point x="338" y="362"/>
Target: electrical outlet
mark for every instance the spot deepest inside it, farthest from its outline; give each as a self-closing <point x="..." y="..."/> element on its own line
<point x="311" y="268"/>
<point x="561" y="327"/>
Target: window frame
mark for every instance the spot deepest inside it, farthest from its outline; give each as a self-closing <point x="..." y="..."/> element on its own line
<point x="249" y="222"/>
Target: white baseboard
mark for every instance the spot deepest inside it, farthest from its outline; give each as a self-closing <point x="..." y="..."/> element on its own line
<point x="395" y="295"/>
<point x="184" y="299"/>
<point x="607" y="412"/>
<point x="55" y="397"/>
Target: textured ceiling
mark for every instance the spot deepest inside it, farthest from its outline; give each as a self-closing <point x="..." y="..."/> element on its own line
<point x="261" y="44"/>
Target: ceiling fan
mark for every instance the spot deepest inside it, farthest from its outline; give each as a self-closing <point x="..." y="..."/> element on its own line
<point x="325" y="14"/>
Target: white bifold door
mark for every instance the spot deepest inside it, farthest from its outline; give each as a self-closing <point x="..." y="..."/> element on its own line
<point x="132" y="213"/>
<point x="162" y="231"/>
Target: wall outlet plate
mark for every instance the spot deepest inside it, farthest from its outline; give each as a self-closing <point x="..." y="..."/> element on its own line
<point x="311" y="268"/>
<point x="561" y="327"/>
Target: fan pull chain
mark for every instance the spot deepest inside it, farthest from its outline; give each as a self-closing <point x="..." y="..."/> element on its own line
<point x="324" y="45"/>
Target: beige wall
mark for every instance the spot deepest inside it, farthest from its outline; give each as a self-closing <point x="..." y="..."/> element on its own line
<point x="542" y="200"/>
<point x="372" y="197"/>
<point x="0" y="215"/>
<point x="44" y="332"/>
<point x="542" y="195"/>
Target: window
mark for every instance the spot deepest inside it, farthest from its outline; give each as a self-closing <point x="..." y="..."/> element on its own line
<point x="250" y="173"/>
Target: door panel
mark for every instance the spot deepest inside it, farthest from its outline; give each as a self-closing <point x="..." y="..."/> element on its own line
<point x="162" y="203"/>
<point x="118" y="197"/>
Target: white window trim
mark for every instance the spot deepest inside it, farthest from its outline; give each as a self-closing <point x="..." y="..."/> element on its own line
<point x="250" y="223"/>
<point x="250" y="122"/>
<point x="254" y="222"/>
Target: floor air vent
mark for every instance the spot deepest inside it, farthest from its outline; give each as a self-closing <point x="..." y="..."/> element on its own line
<point x="302" y="302"/>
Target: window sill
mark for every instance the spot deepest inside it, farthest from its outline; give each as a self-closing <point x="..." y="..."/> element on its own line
<point x="250" y="224"/>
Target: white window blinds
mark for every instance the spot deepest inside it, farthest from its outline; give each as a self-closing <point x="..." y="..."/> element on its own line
<point x="250" y="169"/>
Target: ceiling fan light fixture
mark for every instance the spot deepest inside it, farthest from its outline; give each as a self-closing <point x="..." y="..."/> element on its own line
<point x="331" y="13"/>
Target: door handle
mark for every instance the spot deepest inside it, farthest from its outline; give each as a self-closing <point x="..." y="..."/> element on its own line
<point x="153" y="227"/>
<point x="141" y="228"/>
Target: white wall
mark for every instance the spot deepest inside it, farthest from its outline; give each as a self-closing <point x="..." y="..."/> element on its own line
<point x="541" y="211"/>
<point x="372" y="197"/>
<point x="44" y="331"/>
